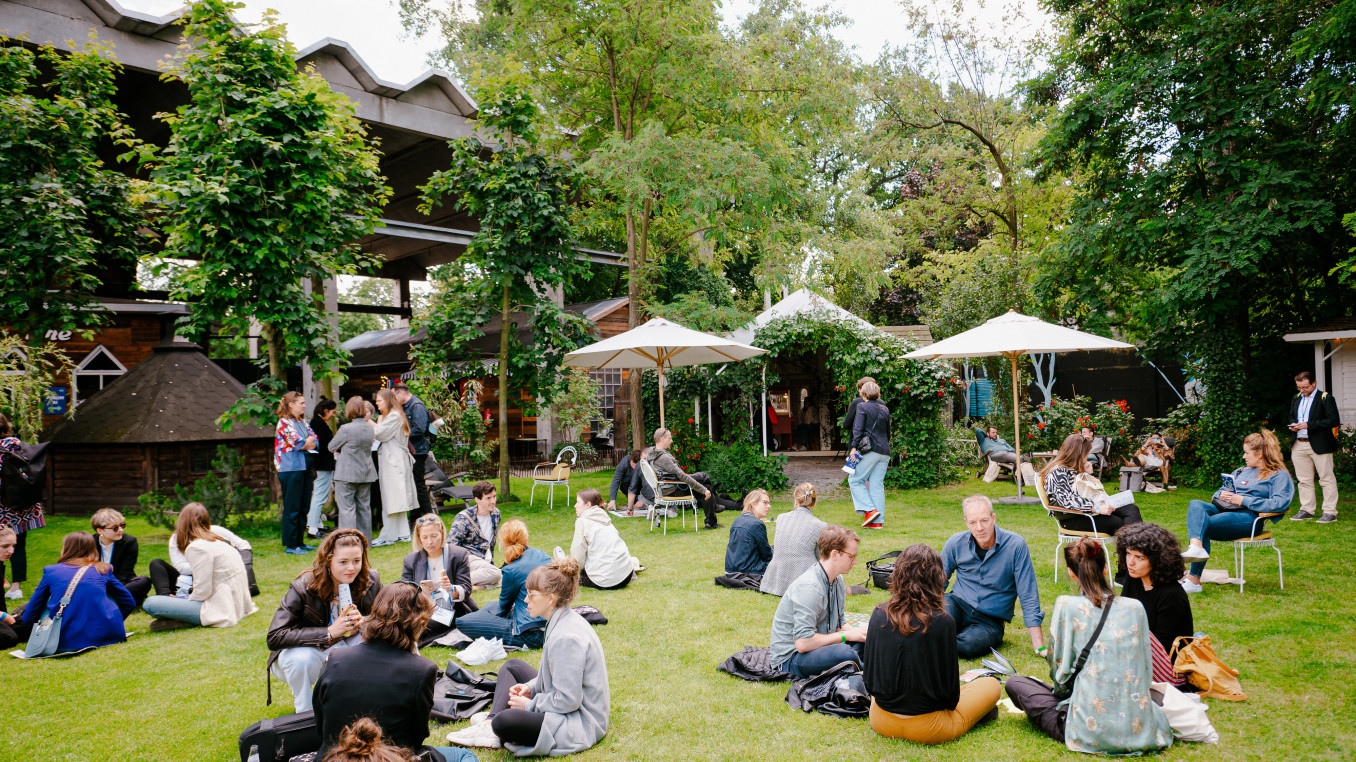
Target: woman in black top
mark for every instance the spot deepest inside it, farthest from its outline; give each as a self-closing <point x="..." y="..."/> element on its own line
<point x="910" y="664"/>
<point x="1153" y="560"/>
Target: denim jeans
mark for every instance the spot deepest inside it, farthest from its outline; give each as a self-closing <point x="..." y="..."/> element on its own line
<point x="296" y="498"/>
<point x="486" y="623"/>
<point x="456" y="754"/>
<point x="976" y="632"/>
<point x="320" y="494"/>
<point x="169" y="607"/>
<point x="868" y="484"/>
<point x="1206" y="522"/>
<point x="812" y="663"/>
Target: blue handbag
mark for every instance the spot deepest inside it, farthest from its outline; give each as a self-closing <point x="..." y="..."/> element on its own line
<point x="47" y="634"/>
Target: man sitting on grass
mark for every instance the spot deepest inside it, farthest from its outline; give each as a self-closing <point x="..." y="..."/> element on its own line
<point x="808" y="636"/>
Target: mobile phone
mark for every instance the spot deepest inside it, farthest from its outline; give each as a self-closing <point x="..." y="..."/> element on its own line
<point x="427" y="585"/>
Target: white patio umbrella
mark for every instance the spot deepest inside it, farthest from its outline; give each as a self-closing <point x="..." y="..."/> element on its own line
<point x="660" y="344"/>
<point x="1013" y="335"/>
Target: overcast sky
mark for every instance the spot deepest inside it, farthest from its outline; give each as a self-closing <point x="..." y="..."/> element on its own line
<point x="373" y="27"/>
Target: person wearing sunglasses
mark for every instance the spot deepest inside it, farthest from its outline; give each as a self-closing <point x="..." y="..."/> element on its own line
<point x="808" y="634"/>
<point x="119" y="550"/>
<point x="443" y="571"/>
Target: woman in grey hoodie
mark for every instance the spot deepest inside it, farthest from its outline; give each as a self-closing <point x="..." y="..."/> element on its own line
<point x="604" y="560"/>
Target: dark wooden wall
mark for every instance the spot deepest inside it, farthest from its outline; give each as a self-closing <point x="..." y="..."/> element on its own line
<point x="130" y="337"/>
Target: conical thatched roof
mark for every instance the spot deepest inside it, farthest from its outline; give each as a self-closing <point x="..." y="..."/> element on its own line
<point x="175" y="395"/>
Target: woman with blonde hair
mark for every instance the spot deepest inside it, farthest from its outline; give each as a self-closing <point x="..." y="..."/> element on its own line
<point x="221" y="588"/>
<point x="749" y="551"/>
<point x="797" y="537"/>
<point x="443" y="570"/>
<point x="1261" y="486"/>
<point x="292" y="439"/>
<point x="508" y="619"/>
<point x="395" y="470"/>
<point x="99" y="602"/>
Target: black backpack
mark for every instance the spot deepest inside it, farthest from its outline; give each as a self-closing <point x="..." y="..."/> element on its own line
<point x="23" y="476"/>
<point x="460" y="693"/>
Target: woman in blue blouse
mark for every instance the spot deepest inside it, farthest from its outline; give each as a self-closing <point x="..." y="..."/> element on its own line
<point x="98" y="604"/>
<point x="509" y="619"/>
<point x="291" y="439"/>
<point x="1261" y="486"/>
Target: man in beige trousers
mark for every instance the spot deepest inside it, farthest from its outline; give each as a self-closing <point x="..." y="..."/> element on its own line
<point x="1313" y="418"/>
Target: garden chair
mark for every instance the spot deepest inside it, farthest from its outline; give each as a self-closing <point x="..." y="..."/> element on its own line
<point x="557" y="473"/>
<point x="442" y="489"/>
<point x="1171" y="442"/>
<point x="1005" y="470"/>
<point x="1067" y="536"/>
<point x="1257" y="540"/>
<point x="662" y="502"/>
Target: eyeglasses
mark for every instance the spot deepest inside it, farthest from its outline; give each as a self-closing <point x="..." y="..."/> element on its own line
<point x="115" y="527"/>
<point x="853" y="556"/>
<point x="537" y="593"/>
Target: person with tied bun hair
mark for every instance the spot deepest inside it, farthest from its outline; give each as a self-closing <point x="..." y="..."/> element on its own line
<point x="797" y="536"/>
<point x="383" y="679"/>
<point x="1104" y="707"/>
<point x="509" y="619"/>
<point x="910" y="663"/>
<point x="1153" y="560"/>
<point x="563" y="707"/>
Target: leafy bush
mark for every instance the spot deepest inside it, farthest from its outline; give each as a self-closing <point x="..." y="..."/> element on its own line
<point x="691" y="445"/>
<point x="1344" y="460"/>
<point x="228" y="502"/>
<point x="1050" y="424"/>
<point x="740" y="466"/>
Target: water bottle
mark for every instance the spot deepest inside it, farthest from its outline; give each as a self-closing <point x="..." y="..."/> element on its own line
<point x="185" y="584"/>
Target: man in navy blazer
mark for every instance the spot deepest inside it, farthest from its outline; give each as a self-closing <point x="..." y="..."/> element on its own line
<point x="119" y="550"/>
<point x="1313" y="416"/>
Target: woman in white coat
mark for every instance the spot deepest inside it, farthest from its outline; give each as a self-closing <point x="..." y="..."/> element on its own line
<point x="395" y="470"/>
<point x="221" y="590"/>
<point x="604" y="560"/>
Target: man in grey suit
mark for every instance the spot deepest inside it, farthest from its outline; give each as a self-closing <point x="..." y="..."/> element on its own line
<point x="354" y="471"/>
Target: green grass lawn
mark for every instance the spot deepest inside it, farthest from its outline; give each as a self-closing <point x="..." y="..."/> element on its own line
<point x="187" y="694"/>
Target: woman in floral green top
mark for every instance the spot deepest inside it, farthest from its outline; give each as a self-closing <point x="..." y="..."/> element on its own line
<point x="1107" y="709"/>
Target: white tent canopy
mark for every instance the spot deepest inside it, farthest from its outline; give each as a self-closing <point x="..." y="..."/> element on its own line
<point x="802" y="302"/>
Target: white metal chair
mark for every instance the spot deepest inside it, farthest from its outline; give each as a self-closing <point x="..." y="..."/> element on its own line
<point x="1256" y="540"/>
<point x="664" y="502"/>
<point x="1067" y="536"/>
<point x="557" y="474"/>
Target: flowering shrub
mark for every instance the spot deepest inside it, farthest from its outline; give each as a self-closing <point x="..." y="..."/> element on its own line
<point x="1050" y="424"/>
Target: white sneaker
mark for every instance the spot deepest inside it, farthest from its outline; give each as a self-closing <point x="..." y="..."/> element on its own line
<point x="481" y="735"/>
<point x="14" y="593"/>
<point x="1195" y="552"/>
<point x="478" y="718"/>
<point x="482" y="651"/>
<point x="1191" y="587"/>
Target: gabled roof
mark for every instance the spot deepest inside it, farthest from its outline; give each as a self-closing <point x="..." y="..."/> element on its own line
<point x="175" y="395"/>
<point x="1336" y="328"/>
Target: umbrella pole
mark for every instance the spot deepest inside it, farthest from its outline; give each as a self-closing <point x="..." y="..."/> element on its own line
<point x="1021" y="497"/>
<point x="661" y="395"/>
<point x="762" y="412"/>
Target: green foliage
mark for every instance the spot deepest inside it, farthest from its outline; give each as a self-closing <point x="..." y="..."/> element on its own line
<point x="267" y="184"/>
<point x="65" y="216"/>
<point x="26" y="372"/>
<point x="740" y="466"/>
<point x="371" y="291"/>
<point x="576" y="405"/>
<point x="1048" y="425"/>
<point x="691" y="445"/>
<point x="228" y="502"/>
<point x="461" y="437"/>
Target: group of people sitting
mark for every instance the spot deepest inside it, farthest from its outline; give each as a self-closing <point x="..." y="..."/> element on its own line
<point x="671" y="480"/>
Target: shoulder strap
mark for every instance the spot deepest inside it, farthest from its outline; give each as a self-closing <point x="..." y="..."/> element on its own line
<point x="70" y="590"/>
<point x="1087" y="649"/>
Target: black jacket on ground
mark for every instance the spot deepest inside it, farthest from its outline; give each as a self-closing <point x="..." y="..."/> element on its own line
<point x="873" y="420"/>
<point x="375" y="680"/>
<point x="124" y="558"/>
<point x="323" y="460"/>
<point x="914" y="674"/>
<point x="1323" y="416"/>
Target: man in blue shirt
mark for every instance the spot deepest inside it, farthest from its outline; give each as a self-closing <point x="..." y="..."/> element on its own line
<point x="993" y="569"/>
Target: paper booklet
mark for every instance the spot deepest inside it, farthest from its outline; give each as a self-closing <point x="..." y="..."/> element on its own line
<point x="998" y="667"/>
<point x="1227" y="483"/>
<point x="1120" y="499"/>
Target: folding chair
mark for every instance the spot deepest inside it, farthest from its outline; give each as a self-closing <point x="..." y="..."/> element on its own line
<point x="663" y="502"/>
<point x="1067" y="536"/>
<point x="558" y="474"/>
<point x="1256" y="540"/>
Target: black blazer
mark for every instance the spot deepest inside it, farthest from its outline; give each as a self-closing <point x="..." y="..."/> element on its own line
<point x="873" y="420"/>
<point x="323" y="459"/>
<point x="458" y="566"/>
<point x="124" y="558"/>
<point x="1323" y="416"/>
<point x="375" y="680"/>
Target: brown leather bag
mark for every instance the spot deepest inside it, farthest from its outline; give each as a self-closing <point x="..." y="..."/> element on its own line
<point x="1203" y="668"/>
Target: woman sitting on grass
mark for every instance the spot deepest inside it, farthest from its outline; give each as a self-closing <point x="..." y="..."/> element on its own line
<point x="562" y="708"/>
<point x="509" y="619"/>
<point x="443" y="571"/>
<point x="1105" y="708"/>
<point x="1261" y="486"/>
<point x="384" y="678"/>
<point x="1153" y="559"/>
<point x="604" y="560"/>
<point x="749" y="551"/>
<point x="99" y="602"/>
<point x="221" y="589"/>
<point x="165" y="575"/>
<point x="797" y="537"/>
<point x="911" y="668"/>
<point x="310" y="623"/>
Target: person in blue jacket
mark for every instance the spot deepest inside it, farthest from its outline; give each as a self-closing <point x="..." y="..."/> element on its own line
<point x="508" y="619"/>
<point x="749" y="551"/>
<point x="1261" y="486"/>
<point x="98" y="604"/>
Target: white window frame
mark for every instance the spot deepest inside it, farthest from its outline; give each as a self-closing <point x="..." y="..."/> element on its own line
<point x="103" y="375"/>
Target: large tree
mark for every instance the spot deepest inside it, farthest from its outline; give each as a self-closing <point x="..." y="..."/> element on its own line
<point x="268" y="181"/>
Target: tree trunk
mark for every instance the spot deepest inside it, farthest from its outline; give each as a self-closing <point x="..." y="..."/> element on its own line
<point x="276" y="347"/>
<point x="503" y="395"/>
<point x="633" y="295"/>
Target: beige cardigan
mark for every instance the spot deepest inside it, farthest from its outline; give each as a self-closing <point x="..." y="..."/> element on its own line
<point x="219" y="581"/>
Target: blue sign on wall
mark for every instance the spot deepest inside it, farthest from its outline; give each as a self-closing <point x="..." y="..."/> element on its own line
<point x="55" y="404"/>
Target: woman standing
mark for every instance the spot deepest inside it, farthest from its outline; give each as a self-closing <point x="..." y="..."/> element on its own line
<point x="797" y="536"/>
<point x="910" y="663"/>
<point x="292" y="439"/>
<point x="1261" y="486"/>
<point x="510" y="619"/>
<point x="562" y="708"/>
<point x="21" y="520"/>
<point x="323" y="464"/>
<point x="98" y="604"/>
<point x="871" y="425"/>
<point x="1105" y="707"/>
<point x="395" y="474"/>
<point x="1152" y="558"/>
<point x="354" y="469"/>
<point x="221" y="591"/>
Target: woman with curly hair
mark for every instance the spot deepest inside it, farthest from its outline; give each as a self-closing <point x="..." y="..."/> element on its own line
<point x="911" y="668"/>
<point x="1153" y="560"/>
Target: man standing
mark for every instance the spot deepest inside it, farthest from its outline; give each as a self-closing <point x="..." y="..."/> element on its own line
<point x="999" y="451"/>
<point x="417" y="416"/>
<point x="1313" y="416"/>
<point x="665" y="466"/>
<point x="993" y="569"/>
<point x="808" y="635"/>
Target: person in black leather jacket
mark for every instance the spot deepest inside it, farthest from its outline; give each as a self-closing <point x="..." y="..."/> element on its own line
<point x="872" y="423"/>
<point x="309" y="622"/>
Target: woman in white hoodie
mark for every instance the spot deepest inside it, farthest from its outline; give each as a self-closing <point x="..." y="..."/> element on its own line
<point x="605" y="562"/>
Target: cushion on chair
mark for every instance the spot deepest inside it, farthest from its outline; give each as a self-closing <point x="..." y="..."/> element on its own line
<point x="1262" y="536"/>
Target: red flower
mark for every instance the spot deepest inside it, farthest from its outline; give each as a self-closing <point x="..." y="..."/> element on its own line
<point x="1040" y="425"/>
<point x="1122" y="431"/>
<point x="941" y="394"/>
<point x="1030" y="435"/>
<point x="689" y="420"/>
